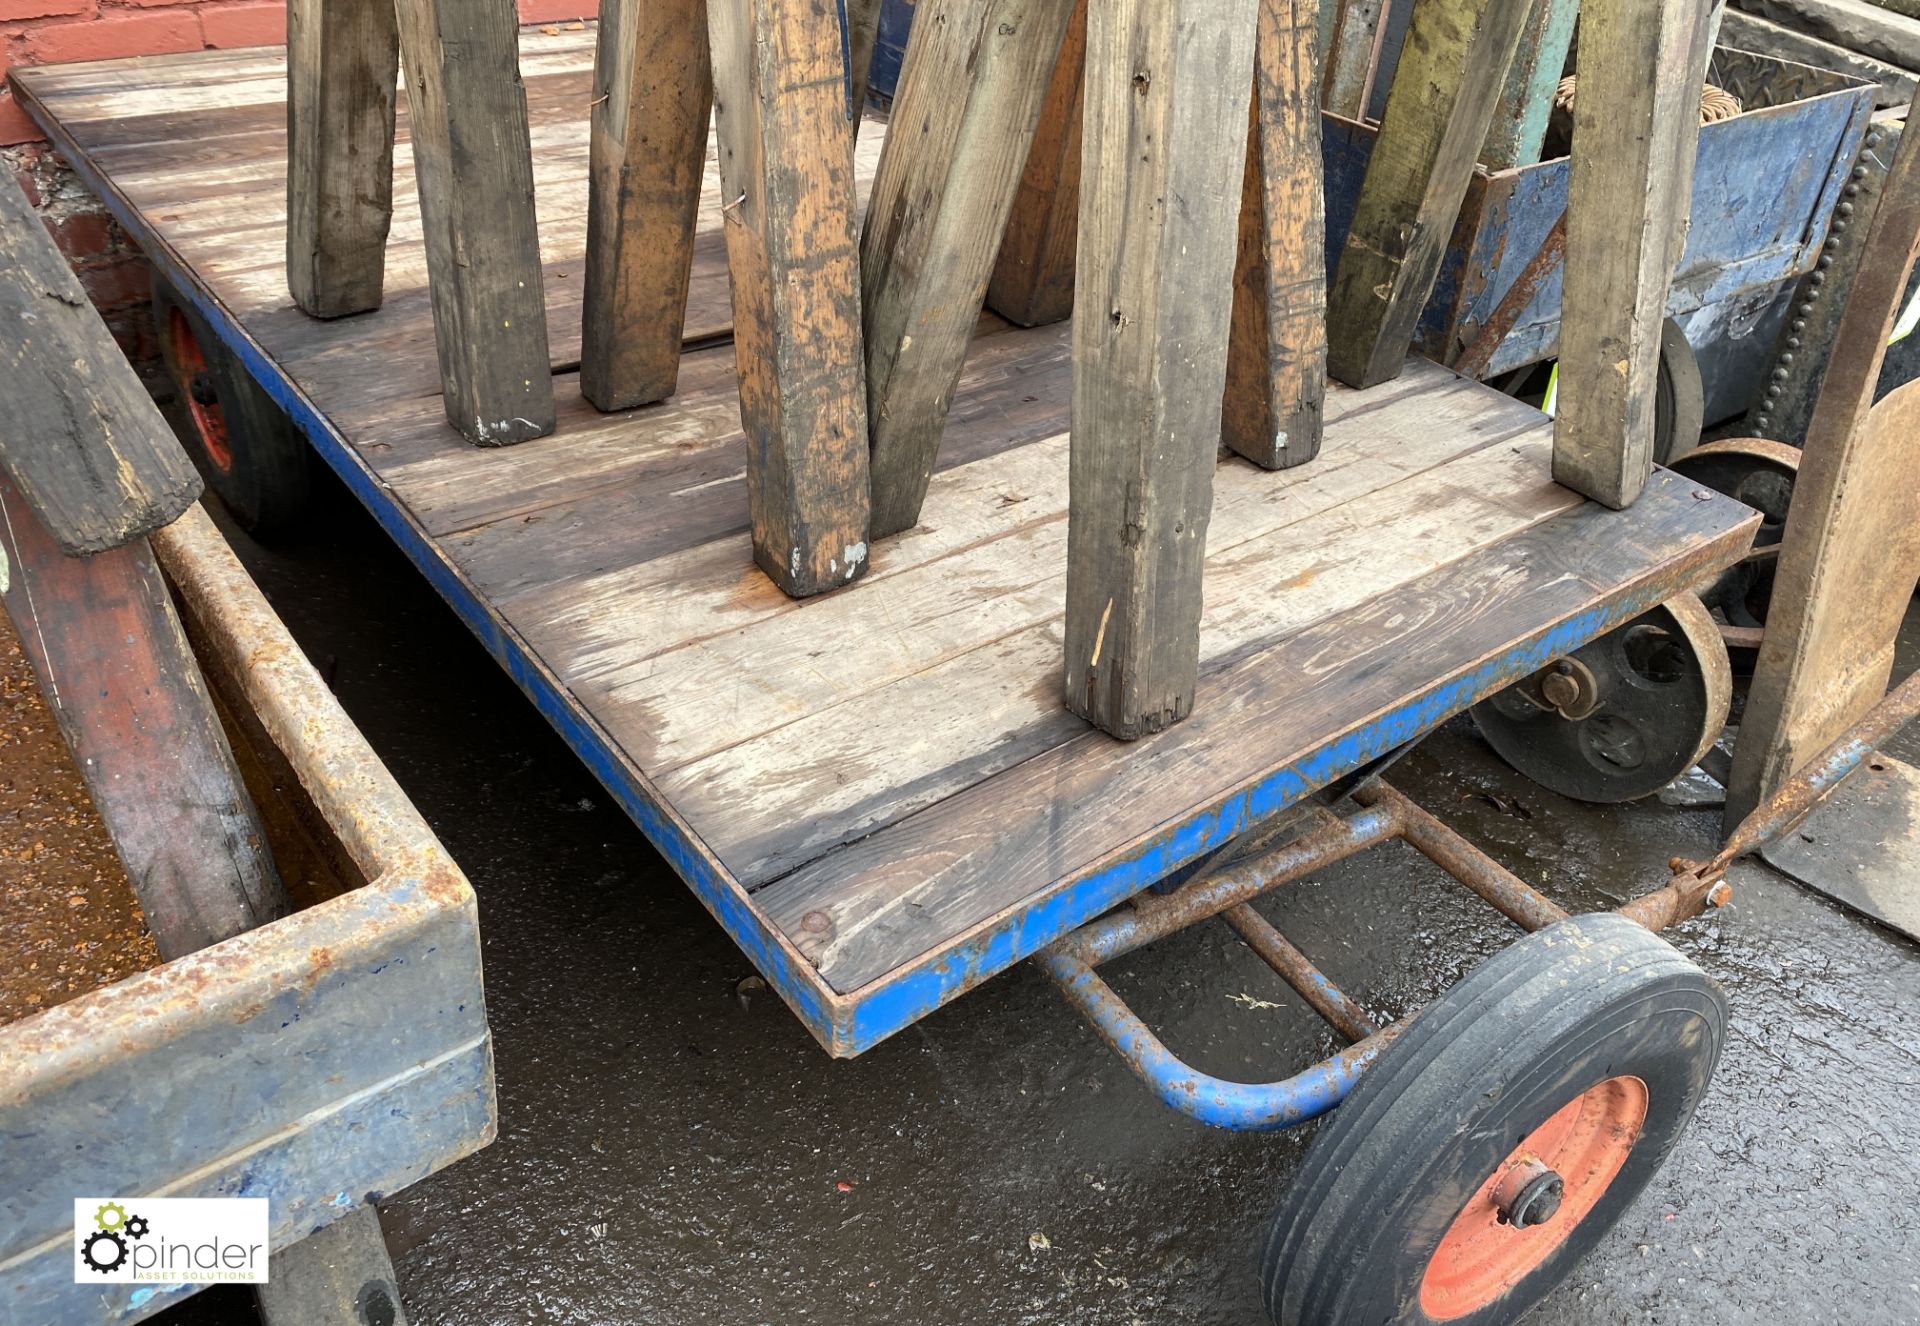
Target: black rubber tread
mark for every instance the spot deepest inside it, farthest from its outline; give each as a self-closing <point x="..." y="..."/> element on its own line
<point x="1474" y="1073"/>
<point x="268" y="487"/>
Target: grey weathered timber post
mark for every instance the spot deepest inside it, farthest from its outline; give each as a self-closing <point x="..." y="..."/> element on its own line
<point x="1160" y="193"/>
<point x="343" y="62"/>
<point x="970" y="95"/>
<point x="1851" y="548"/>
<point x="1449" y="76"/>
<point x="1636" y="120"/>
<point x="652" y="99"/>
<point x="786" y="178"/>
<point x="1277" y="356"/>
<point x="1032" y="282"/>
<point x="473" y="161"/>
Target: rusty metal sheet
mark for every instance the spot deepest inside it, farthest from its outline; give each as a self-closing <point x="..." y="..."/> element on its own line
<point x="1861" y="847"/>
<point x="322" y="1061"/>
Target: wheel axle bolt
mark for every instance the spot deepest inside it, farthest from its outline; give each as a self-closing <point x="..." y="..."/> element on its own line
<point x="201" y="389"/>
<point x="1528" y="1194"/>
<point x="1559" y="689"/>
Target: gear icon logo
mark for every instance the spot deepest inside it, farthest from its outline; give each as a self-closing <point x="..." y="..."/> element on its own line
<point x="106" y="1247"/>
<point x="105" y="1251"/>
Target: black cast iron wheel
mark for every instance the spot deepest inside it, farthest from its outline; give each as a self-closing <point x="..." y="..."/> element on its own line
<point x="247" y="449"/>
<point x="1761" y="473"/>
<point x="1623" y="715"/>
<point x="1498" y="1139"/>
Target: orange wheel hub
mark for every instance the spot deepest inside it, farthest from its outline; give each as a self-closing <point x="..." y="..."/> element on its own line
<point x="1534" y="1198"/>
<point x="196" y="384"/>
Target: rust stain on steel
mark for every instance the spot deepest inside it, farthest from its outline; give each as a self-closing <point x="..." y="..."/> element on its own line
<point x="1339" y="1009"/>
<point x="1473" y="361"/>
<point x="1698" y="885"/>
<point x="1505" y="891"/>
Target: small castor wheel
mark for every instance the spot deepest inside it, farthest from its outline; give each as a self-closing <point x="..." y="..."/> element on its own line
<point x="245" y="446"/>
<point x="1761" y="473"/>
<point x="1623" y="715"/>
<point x="1495" y="1142"/>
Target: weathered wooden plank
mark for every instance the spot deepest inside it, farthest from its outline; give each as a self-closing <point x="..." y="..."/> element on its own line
<point x="473" y="160"/>
<point x="984" y="572"/>
<point x="1032" y="280"/>
<point x="1450" y="73"/>
<point x="1277" y="351"/>
<point x="821" y="780"/>
<point x="1519" y="126"/>
<point x="1420" y="650"/>
<point x="343" y="61"/>
<point x="970" y="94"/>
<point x="786" y="169"/>
<point x="1352" y="49"/>
<point x="80" y="437"/>
<point x="863" y="30"/>
<point x="1851" y="548"/>
<point x="672" y="501"/>
<point x="653" y="97"/>
<point x="1160" y="191"/>
<point x="1636" y="119"/>
<point x="119" y="678"/>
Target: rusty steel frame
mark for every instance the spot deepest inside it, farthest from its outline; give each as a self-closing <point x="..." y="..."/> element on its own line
<point x="323" y="1060"/>
<point x="1320" y="838"/>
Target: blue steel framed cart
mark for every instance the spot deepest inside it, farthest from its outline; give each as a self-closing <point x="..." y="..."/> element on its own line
<point x="877" y="792"/>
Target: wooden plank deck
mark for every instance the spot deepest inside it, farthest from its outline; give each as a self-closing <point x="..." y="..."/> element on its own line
<point x="878" y="791"/>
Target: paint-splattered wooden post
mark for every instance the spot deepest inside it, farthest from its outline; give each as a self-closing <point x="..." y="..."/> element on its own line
<point x="1636" y="119"/>
<point x="1519" y="126"/>
<point x="1450" y="73"/>
<point x="652" y="100"/>
<point x="786" y="174"/>
<point x="1277" y="357"/>
<point x="473" y="161"/>
<point x="1032" y="282"/>
<point x="1160" y="195"/>
<point x="343" y="62"/>
<point x="970" y="94"/>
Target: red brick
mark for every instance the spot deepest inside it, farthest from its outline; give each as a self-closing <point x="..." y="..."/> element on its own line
<point x="245" y="25"/>
<point x="117" y="284"/>
<point x="83" y="235"/>
<point x="549" y="11"/>
<point x="15" y="127"/>
<point x="14" y="10"/>
<point x="112" y="36"/>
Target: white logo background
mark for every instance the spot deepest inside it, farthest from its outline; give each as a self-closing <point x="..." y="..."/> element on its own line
<point x="170" y="1240"/>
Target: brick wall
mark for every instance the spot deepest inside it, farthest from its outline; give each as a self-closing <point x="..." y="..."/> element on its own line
<point x="61" y="31"/>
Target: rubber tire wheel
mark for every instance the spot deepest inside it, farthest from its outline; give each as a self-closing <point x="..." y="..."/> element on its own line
<point x="264" y="477"/>
<point x="1680" y="397"/>
<point x="1444" y="1105"/>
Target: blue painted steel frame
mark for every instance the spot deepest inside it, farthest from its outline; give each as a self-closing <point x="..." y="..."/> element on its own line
<point x="1797" y="153"/>
<point x="850" y="1023"/>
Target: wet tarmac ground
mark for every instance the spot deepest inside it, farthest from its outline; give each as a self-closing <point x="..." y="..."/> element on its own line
<point x="675" y="1148"/>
